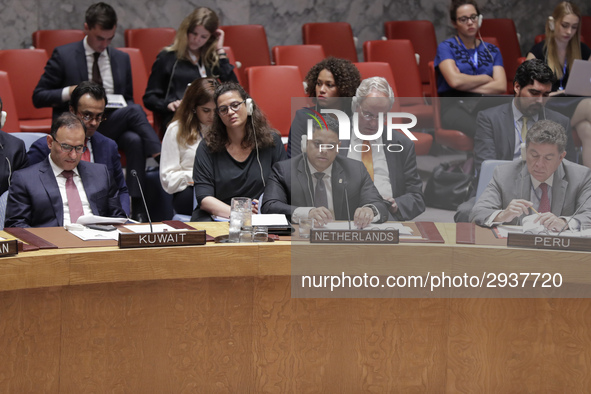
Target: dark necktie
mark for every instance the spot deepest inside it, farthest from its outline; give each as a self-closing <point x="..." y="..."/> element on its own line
<point x="96" y="72"/>
<point x="545" y="200"/>
<point x="74" y="202"/>
<point x="320" y="196"/>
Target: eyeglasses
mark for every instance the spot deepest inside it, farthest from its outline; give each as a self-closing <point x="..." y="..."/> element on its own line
<point x="87" y="118"/>
<point x="68" y="148"/>
<point x="463" y="20"/>
<point x="223" y="110"/>
<point x="369" y="116"/>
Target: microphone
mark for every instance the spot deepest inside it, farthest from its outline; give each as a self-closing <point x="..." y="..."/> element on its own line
<point x="345" y="183"/>
<point x="134" y="173"/>
<point x="573" y="215"/>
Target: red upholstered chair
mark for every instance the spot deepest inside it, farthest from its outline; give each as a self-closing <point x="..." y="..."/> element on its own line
<point x="303" y="56"/>
<point x="505" y="32"/>
<point x="140" y="81"/>
<point x="424" y="41"/>
<point x="381" y="69"/>
<point x="274" y="102"/>
<point x="335" y="37"/>
<point x="12" y="124"/>
<point x="249" y="43"/>
<point x="586" y="29"/>
<point x="25" y="67"/>
<point x="49" y="39"/>
<point x="232" y="60"/>
<point x="150" y="41"/>
<point x="539" y="38"/>
<point x="400" y="54"/>
<point x="451" y="138"/>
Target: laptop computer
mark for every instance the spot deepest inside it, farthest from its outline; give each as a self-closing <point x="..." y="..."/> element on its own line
<point x="579" y="80"/>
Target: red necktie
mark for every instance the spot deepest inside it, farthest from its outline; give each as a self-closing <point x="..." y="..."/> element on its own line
<point x="74" y="202"/>
<point x="544" y="201"/>
<point x="96" y="72"/>
<point x="86" y="154"/>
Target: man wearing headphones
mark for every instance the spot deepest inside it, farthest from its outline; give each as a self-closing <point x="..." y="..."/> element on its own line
<point x="13" y="155"/>
<point x="321" y="185"/>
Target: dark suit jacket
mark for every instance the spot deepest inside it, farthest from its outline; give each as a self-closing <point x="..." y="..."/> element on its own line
<point x="105" y="152"/>
<point x="290" y="186"/>
<point x="495" y="134"/>
<point x="407" y="187"/>
<point x="34" y="199"/>
<point x="12" y="150"/>
<point x="67" y="67"/>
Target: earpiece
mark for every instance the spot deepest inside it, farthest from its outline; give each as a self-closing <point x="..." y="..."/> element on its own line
<point x="2" y="119"/>
<point x="480" y="17"/>
<point x="249" y="106"/>
<point x="551" y="23"/>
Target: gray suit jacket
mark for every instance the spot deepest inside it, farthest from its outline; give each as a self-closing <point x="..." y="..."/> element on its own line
<point x="495" y="134"/>
<point x="571" y="187"/>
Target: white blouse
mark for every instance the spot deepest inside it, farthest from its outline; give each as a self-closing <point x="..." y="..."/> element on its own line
<point x="176" y="162"/>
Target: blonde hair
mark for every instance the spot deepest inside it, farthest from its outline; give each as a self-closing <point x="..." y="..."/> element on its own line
<point x="573" y="50"/>
<point x="201" y="16"/>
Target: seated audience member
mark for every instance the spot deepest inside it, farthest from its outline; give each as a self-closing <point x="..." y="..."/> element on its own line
<point x="61" y="188"/>
<point x="468" y="67"/>
<point x="88" y="104"/>
<point x="392" y="166"/>
<point x="13" y="154"/>
<point x="190" y="123"/>
<point x="317" y="184"/>
<point x="560" y="49"/>
<point x="501" y="130"/>
<point x="237" y="155"/>
<point x="197" y="52"/>
<point x="554" y="187"/>
<point x="328" y="83"/>
<point x="92" y="59"/>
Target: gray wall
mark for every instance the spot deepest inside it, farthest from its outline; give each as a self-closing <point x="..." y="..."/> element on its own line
<point x="282" y="19"/>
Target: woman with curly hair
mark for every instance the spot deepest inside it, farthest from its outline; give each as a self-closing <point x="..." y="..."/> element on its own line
<point x="197" y="52"/>
<point x="236" y="157"/>
<point x="190" y="123"/>
<point x="327" y="82"/>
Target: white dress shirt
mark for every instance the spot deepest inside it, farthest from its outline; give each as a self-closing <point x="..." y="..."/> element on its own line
<point x="61" y="184"/>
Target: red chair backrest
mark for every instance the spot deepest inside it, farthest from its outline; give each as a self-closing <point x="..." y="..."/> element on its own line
<point x="49" y="39"/>
<point x="8" y="105"/>
<point x="379" y="69"/>
<point x="138" y="73"/>
<point x="25" y="67"/>
<point x="423" y="38"/>
<point x="504" y="30"/>
<point x="276" y="103"/>
<point x="232" y="60"/>
<point x="303" y="56"/>
<point x="586" y="29"/>
<point x="335" y="37"/>
<point x="150" y="41"/>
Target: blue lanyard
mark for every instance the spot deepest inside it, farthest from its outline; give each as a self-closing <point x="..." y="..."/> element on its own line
<point x="475" y="57"/>
<point x="563" y="74"/>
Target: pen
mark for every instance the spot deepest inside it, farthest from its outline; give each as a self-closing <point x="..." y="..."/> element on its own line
<point x="533" y="209"/>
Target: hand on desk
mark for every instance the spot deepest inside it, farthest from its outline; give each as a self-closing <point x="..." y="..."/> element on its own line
<point x="363" y="217"/>
<point x="321" y="215"/>
<point x="515" y="209"/>
<point x="550" y="221"/>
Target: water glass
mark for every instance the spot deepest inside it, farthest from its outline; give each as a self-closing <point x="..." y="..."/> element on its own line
<point x="240" y="216"/>
<point x="305" y="227"/>
<point x="260" y="234"/>
<point x="246" y="234"/>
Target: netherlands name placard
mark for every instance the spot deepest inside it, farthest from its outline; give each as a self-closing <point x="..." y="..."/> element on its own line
<point x="319" y="236"/>
<point x="160" y="239"/>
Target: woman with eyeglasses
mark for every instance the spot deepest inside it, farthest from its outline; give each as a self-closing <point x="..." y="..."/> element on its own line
<point x="236" y="157"/>
<point x="190" y="123"/>
<point x="468" y="67"/>
<point x="329" y="82"/>
<point x="197" y="52"/>
<point x="559" y="50"/>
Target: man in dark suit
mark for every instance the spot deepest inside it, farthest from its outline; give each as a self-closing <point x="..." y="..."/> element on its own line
<point x="499" y="129"/>
<point x="317" y="184"/>
<point x="392" y="163"/>
<point x="88" y="104"/>
<point x="13" y="154"/>
<point x="553" y="188"/>
<point x="93" y="59"/>
<point x="62" y="188"/>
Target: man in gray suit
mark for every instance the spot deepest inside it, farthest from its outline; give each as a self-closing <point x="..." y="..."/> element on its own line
<point x="545" y="182"/>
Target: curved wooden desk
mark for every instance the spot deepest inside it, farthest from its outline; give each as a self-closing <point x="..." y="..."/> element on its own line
<point x="220" y="318"/>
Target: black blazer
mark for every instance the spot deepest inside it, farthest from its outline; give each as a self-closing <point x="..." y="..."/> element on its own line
<point x="13" y="157"/>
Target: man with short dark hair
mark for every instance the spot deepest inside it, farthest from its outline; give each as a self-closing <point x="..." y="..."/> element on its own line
<point x="500" y="130"/>
<point x="92" y="59"/>
<point x="61" y="188"/>
<point x="317" y="184"/>
<point x="544" y="184"/>
<point x="13" y="154"/>
<point x="88" y="103"/>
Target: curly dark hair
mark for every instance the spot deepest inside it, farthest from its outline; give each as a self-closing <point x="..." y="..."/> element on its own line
<point x="217" y="138"/>
<point x="346" y="76"/>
